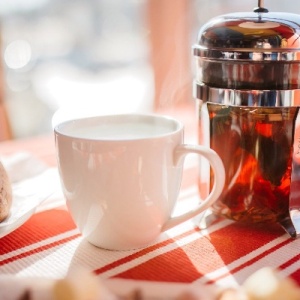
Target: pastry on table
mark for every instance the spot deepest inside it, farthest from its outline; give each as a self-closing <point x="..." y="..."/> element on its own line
<point x="264" y="284"/>
<point x="5" y="194"/>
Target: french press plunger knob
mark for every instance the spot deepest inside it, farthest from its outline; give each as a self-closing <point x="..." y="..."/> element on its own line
<point x="260" y="8"/>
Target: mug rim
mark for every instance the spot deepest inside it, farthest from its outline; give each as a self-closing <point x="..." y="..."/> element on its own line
<point x="178" y="126"/>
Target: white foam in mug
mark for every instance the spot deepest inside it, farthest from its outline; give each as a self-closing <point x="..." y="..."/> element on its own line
<point x="121" y="176"/>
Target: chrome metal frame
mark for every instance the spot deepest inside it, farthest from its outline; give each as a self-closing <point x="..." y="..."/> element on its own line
<point x="271" y="98"/>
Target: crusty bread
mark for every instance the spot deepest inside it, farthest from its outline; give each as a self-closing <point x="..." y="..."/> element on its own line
<point x="5" y="194"/>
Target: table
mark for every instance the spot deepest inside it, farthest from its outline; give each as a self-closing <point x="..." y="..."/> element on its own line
<point x="49" y="245"/>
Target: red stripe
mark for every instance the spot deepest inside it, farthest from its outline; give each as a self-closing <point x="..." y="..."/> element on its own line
<point x="142" y="252"/>
<point x="44" y="225"/>
<point x="290" y="262"/>
<point x="237" y="240"/>
<point x="251" y="261"/>
<point x="295" y="275"/>
<point x="189" y="263"/>
<point x="38" y="250"/>
<point x="174" y="266"/>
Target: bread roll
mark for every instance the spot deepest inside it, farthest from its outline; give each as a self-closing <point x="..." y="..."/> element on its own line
<point x="268" y="284"/>
<point x="5" y="194"/>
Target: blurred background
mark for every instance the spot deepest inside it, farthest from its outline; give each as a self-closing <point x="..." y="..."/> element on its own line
<point x="77" y="57"/>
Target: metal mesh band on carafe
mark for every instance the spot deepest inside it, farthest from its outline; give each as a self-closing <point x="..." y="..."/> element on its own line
<point x="247" y="88"/>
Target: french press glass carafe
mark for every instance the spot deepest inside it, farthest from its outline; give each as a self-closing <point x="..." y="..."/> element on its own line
<point x="247" y="88"/>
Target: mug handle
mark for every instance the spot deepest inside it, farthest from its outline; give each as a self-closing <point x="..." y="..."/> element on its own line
<point x="219" y="173"/>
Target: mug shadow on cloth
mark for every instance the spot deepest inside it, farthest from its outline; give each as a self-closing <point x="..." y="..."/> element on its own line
<point x="165" y="262"/>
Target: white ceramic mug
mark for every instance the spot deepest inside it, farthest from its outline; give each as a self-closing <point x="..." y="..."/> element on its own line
<point x="121" y="176"/>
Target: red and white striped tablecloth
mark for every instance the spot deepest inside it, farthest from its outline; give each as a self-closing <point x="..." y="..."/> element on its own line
<point x="225" y="254"/>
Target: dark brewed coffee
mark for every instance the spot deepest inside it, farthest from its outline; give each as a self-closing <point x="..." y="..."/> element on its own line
<point x="256" y="146"/>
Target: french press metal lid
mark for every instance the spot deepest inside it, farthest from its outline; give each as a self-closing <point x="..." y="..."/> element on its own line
<point x="250" y="51"/>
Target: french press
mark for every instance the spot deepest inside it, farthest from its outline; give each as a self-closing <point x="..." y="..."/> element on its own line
<point x="247" y="89"/>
